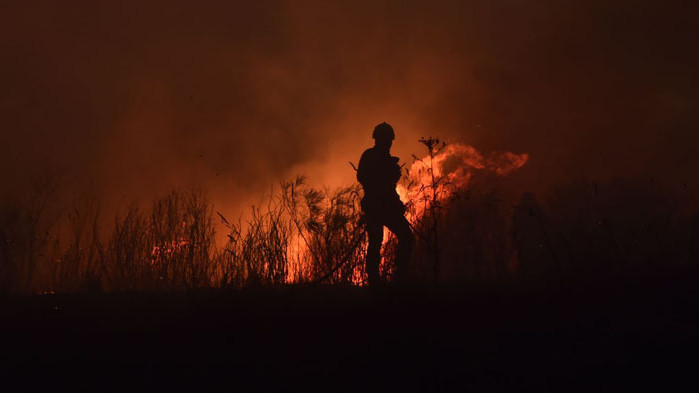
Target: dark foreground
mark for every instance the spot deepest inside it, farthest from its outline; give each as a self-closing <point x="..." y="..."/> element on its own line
<point x="604" y="335"/>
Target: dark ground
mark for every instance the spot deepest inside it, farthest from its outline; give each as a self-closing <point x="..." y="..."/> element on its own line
<point x="598" y="335"/>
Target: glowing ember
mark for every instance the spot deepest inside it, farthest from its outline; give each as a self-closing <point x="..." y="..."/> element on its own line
<point x="160" y="253"/>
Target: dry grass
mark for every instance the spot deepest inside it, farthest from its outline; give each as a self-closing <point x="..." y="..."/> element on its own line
<point x="305" y="234"/>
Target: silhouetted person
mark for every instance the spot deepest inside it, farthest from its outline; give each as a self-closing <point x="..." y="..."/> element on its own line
<point x="379" y="173"/>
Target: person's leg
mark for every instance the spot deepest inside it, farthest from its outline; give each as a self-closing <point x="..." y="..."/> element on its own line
<point x="374" y="230"/>
<point x="400" y="226"/>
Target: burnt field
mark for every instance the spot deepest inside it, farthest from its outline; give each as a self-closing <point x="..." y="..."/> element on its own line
<point x="611" y="334"/>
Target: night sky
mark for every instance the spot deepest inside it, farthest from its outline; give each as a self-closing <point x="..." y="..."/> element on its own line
<point x="130" y="99"/>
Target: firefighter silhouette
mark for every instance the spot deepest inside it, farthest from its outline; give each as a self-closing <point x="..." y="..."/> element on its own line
<point x="378" y="173"/>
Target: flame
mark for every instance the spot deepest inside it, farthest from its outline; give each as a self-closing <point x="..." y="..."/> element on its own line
<point x="163" y="252"/>
<point x="298" y="260"/>
<point x="450" y="168"/>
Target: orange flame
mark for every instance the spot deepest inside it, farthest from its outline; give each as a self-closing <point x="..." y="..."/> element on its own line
<point x="451" y="167"/>
<point x="163" y="252"/>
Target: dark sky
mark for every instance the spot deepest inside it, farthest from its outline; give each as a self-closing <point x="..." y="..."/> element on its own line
<point x="134" y="98"/>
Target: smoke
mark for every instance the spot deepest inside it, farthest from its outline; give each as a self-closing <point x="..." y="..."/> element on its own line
<point x="130" y="100"/>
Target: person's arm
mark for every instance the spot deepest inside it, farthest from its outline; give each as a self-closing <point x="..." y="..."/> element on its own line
<point x="362" y="170"/>
<point x="395" y="170"/>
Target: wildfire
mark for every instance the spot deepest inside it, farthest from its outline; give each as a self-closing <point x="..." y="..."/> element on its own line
<point x="433" y="178"/>
<point x="449" y="168"/>
<point x="160" y="253"/>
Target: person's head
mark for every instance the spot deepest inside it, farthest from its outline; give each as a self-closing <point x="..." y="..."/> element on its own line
<point x="383" y="136"/>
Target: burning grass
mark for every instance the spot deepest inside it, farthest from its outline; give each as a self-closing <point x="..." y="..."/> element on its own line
<point x="468" y="227"/>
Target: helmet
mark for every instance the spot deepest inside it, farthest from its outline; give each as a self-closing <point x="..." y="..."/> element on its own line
<point x="383" y="131"/>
